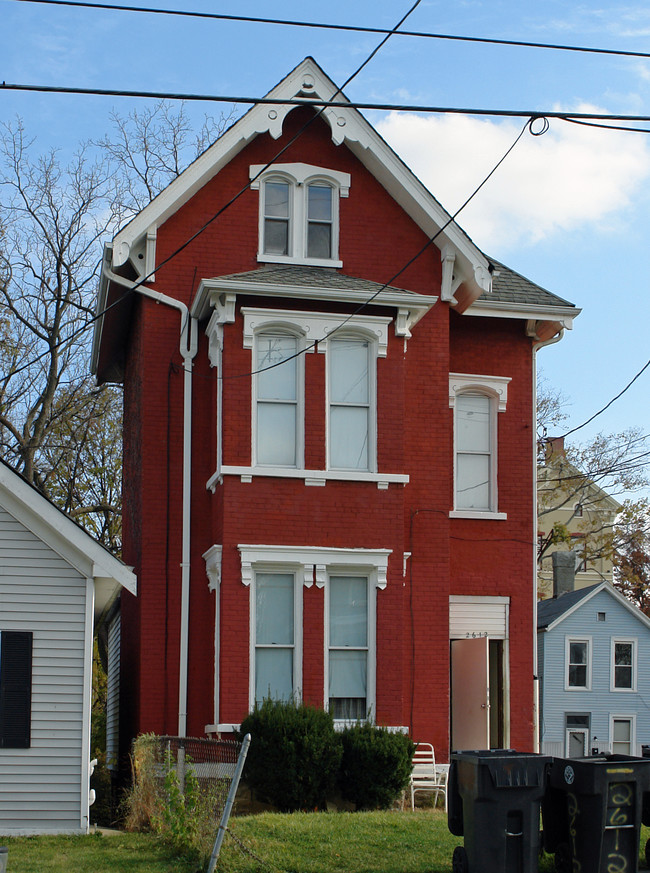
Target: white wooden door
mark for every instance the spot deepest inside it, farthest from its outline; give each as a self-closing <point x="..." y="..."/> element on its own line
<point x="470" y="694"/>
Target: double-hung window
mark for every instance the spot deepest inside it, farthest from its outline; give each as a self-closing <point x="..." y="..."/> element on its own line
<point x="348" y="647"/>
<point x="299" y="213"/>
<point x="578" y="664"/>
<point x="622" y="733"/>
<point x="275" y="637"/>
<point x="476" y="401"/>
<point x="278" y="382"/>
<point x="351" y="411"/>
<point x="623" y="665"/>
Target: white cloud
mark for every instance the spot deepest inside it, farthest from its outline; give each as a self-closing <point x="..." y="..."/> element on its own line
<point x="569" y="178"/>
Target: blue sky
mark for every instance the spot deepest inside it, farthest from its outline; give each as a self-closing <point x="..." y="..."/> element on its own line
<point x="570" y="209"/>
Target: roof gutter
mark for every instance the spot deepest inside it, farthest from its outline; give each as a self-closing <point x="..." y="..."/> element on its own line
<point x="188" y="346"/>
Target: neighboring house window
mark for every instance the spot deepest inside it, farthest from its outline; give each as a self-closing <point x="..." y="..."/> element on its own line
<point x="622" y="732"/>
<point x="476" y="401"/>
<point x="275" y="637"/>
<point x="15" y="689"/>
<point x="623" y="676"/>
<point x="351" y="404"/>
<point x="299" y="213"/>
<point x="348" y="647"/>
<point x="578" y="664"/>
<point x="278" y="389"/>
<point x="577" y="510"/>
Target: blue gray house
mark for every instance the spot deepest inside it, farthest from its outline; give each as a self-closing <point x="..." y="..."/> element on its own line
<point x="594" y="672"/>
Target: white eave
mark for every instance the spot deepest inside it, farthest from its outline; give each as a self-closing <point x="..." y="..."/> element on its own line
<point x="66" y="538"/>
<point x="309" y="82"/>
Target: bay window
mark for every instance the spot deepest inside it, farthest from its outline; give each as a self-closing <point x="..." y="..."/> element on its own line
<point x="277" y="426"/>
<point x="351" y="412"/>
<point x="348" y="647"/>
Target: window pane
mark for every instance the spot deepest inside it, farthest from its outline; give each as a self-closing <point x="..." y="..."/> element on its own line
<point x="577" y="676"/>
<point x="622" y="730"/>
<point x="276" y="203"/>
<point x="276" y="236"/>
<point x="348" y="673"/>
<point x="348" y="611"/>
<point x="348" y="361"/>
<point x="348" y="708"/>
<point x="276" y="434"/>
<point x="273" y="674"/>
<point x="473" y="482"/>
<point x="319" y="203"/>
<point x="279" y="382"/>
<point x="472" y="423"/>
<point x="274" y="609"/>
<point x="319" y="240"/>
<point x="348" y="438"/>
<point x="578" y="653"/>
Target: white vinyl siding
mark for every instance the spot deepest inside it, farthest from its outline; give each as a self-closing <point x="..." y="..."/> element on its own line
<point x="478" y="616"/>
<point x="40" y="787"/>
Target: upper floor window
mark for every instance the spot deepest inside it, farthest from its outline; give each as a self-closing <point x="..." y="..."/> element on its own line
<point x="278" y="390"/>
<point x="476" y="400"/>
<point x="578" y="664"/>
<point x="351" y="406"/>
<point x="299" y="213"/>
<point x="623" y="671"/>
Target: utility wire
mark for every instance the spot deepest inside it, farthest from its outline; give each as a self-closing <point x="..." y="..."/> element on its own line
<point x="187" y="242"/>
<point x="337" y="104"/>
<point x="351" y="28"/>
<point x="613" y="400"/>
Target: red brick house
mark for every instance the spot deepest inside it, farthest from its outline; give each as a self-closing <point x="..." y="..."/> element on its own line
<point x="328" y="457"/>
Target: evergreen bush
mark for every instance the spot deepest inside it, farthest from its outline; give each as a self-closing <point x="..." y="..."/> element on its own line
<point x="294" y="756"/>
<point x="376" y="765"/>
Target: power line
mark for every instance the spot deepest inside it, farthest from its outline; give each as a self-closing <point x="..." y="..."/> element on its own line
<point x="350" y="28"/>
<point x="338" y="104"/>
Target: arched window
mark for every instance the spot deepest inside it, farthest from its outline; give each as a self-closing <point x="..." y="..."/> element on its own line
<point x="476" y="401"/>
<point x="299" y="213"/>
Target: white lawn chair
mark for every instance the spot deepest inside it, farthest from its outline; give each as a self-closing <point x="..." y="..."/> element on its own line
<point x="426" y="776"/>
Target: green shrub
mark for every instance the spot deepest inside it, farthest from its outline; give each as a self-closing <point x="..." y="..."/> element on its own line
<point x="294" y="756"/>
<point x="376" y="765"/>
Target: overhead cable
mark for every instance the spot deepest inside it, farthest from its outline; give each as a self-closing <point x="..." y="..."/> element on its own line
<point x="339" y="104"/>
<point x="351" y="28"/>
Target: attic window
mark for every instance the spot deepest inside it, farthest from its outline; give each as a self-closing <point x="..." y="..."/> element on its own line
<point x="299" y="213"/>
<point x="602" y="616"/>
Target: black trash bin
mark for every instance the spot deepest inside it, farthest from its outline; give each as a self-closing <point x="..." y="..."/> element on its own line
<point x="592" y="812"/>
<point x="493" y="801"/>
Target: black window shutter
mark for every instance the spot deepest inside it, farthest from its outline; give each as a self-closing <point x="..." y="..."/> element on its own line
<point x="15" y="689"/>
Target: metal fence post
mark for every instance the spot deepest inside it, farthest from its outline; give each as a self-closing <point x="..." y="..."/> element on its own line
<point x="234" y="785"/>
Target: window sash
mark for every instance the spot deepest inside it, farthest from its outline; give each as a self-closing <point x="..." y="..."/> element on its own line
<point x="275" y="633"/>
<point x="624" y="665"/>
<point x="319" y="221"/>
<point x="350" y="407"/>
<point x="348" y="647"/>
<point x="622" y="736"/>
<point x="578" y="664"/>
<point x="276" y="384"/>
<point x="276" y="217"/>
<point x="474" y="423"/>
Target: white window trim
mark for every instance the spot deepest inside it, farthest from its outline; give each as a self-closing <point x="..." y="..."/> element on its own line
<point x="314" y="565"/>
<point x="362" y="334"/>
<point x="623" y="716"/>
<point x="315" y="327"/>
<point x="612" y="674"/>
<point x="567" y="643"/>
<point x="299" y="176"/>
<point x="496" y="389"/>
<point x="278" y="328"/>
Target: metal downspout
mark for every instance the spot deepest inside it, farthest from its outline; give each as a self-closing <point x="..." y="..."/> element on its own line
<point x="188" y="349"/>
<point x="540" y="344"/>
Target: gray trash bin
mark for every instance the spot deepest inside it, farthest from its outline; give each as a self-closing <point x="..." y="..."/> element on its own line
<point x="493" y="801"/>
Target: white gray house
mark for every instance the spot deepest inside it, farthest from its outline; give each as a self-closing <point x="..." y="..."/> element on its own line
<point x="594" y="668"/>
<point x="55" y="582"/>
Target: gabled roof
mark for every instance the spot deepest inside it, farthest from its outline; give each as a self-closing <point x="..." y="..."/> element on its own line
<point x="70" y="541"/>
<point x="309" y="83"/>
<point x="553" y="611"/>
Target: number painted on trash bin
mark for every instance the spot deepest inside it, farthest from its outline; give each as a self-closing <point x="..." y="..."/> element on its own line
<point x="574" y="811"/>
<point x="616" y="863"/>
<point x="620" y="804"/>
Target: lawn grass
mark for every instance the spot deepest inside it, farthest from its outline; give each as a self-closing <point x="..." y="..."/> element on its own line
<point x="364" y="842"/>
